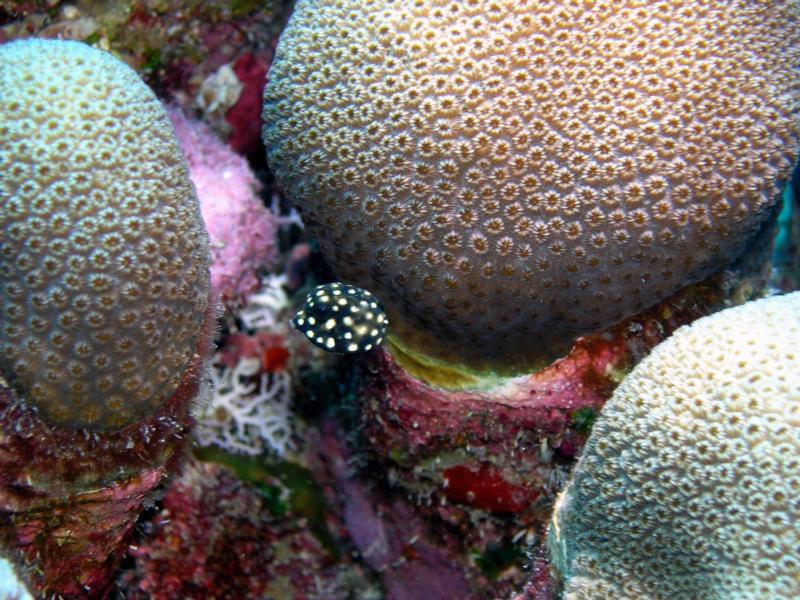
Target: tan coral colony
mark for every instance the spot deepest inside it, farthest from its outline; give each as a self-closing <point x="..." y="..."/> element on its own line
<point x="104" y="264"/>
<point x="507" y="175"/>
<point x="689" y="486"/>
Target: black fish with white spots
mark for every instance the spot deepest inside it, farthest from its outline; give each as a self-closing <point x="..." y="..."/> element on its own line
<point x="342" y="318"/>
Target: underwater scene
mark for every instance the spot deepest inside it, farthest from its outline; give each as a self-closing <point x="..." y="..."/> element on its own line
<point x="400" y="299"/>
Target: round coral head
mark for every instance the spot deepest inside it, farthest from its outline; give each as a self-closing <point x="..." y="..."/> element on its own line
<point x="104" y="277"/>
<point x="688" y="485"/>
<point x="508" y="175"/>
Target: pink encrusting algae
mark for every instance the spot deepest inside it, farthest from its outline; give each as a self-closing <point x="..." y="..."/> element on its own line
<point x="214" y="538"/>
<point x="507" y="448"/>
<point x="242" y="230"/>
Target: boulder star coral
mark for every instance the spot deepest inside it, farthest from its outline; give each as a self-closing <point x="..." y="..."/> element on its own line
<point x="688" y="486"/>
<point x="104" y="273"/>
<point x="107" y="317"/>
<point x="506" y="175"/>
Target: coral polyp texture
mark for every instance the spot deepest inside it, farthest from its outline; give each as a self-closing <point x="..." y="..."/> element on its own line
<point x="688" y="486"/>
<point x="508" y="175"/>
<point x="104" y="274"/>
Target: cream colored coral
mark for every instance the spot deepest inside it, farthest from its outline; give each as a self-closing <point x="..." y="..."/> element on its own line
<point x="689" y="485"/>
<point x="506" y="174"/>
<point x="104" y="272"/>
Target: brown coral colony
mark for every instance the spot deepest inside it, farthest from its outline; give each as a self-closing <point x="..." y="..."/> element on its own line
<point x="505" y="176"/>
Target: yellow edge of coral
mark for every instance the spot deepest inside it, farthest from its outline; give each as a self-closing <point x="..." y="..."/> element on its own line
<point x="438" y="373"/>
